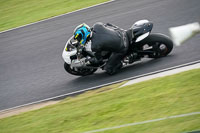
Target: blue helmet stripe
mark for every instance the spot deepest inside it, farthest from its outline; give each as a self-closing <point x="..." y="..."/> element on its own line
<point x="84" y="35"/>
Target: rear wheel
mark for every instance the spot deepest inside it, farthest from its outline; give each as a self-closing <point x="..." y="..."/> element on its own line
<point x="161" y="44"/>
<point x="79" y="71"/>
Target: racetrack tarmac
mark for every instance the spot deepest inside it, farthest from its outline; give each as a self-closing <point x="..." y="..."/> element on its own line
<point x="31" y="66"/>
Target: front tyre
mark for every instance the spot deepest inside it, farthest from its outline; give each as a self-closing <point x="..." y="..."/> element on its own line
<point x="161" y="44"/>
<point x="78" y="71"/>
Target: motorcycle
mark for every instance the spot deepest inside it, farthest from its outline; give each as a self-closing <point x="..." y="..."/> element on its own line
<point x="144" y="45"/>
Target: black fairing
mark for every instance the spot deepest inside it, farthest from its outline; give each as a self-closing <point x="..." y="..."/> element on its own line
<point x="140" y="29"/>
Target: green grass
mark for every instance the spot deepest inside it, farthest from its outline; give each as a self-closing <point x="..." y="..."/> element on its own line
<point x="113" y="106"/>
<point x="14" y="13"/>
<point x="178" y="125"/>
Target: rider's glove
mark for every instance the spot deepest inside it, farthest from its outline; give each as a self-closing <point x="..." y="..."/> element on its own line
<point x="81" y="49"/>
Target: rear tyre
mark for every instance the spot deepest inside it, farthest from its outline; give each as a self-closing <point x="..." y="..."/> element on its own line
<point x="161" y="44"/>
<point x="78" y="71"/>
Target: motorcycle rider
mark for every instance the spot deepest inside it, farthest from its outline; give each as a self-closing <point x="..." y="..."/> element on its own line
<point x="104" y="37"/>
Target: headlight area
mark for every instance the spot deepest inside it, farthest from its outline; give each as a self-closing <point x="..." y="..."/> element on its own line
<point x="68" y="55"/>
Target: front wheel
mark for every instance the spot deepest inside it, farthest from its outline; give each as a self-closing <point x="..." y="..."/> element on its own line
<point x="161" y="44"/>
<point x="78" y="71"/>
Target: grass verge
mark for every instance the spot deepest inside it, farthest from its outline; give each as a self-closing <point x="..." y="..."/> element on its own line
<point x="113" y="106"/>
<point x="14" y="13"/>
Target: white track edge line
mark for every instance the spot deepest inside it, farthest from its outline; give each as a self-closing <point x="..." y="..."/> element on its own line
<point x="95" y="87"/>
<point x="57" y="16"/>
<point x="143" y="122"/>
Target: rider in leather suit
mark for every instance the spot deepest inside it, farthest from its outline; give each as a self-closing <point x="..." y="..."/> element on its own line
<point x="104" y="37"/>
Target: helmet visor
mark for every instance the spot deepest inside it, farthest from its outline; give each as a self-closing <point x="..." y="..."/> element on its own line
<point x="78" y="37"/>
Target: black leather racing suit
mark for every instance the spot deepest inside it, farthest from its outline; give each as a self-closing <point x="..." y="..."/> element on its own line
<point x="106" y="37"/>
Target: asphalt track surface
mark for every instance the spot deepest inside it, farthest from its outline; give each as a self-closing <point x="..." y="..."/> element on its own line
<point x="31" y="66"/>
